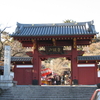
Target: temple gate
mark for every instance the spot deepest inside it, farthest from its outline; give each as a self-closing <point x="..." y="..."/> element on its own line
<point x="53" y="38"/>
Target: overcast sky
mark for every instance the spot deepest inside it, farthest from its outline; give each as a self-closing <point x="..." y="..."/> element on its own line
<point x="48" y="11"/>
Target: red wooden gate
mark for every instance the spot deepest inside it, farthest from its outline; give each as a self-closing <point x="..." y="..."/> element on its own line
<point x="23" y="76"/>
<point x="86" y="75"/>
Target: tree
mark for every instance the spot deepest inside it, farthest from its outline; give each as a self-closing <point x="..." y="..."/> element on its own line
<point x="69" y="21"/>
<point x="57" y="65"/>
<point x="93" y="49"/>
<point x="16" y="47"/>
<point x="2" y="31"/>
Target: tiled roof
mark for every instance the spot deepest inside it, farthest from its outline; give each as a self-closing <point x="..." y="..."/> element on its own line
<point x="88" y="57"/>
<point x="79" y="58"/>
<point x="21" y="58"/>
<point x="81" y="28"/>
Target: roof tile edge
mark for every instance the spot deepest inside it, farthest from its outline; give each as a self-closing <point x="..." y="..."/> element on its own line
<point x="55" y="24"/>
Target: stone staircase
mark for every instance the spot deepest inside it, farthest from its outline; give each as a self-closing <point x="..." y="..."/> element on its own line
<point x="31" y="92"/>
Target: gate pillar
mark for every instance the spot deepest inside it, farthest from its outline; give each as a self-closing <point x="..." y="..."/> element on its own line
<point x="74" y="65"/>
<point x="74" y="61"/>
<point x="36" y="68"/>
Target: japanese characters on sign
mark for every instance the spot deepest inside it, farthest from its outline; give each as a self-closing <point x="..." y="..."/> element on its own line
<point x="54" y="50"/>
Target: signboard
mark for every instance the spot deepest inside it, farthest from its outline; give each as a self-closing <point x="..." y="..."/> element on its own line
<point x="24" y="66"/>
<point x="86" y="65"/>
<point x="54" y="50"/>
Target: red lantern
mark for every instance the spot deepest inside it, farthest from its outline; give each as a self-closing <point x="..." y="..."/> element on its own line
<point x="46" y="71"/>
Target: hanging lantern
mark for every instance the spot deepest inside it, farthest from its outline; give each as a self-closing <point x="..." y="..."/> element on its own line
<point x="46" y="71"/>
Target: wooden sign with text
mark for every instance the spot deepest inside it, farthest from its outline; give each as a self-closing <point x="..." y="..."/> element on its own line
<point x="54" y="50"/>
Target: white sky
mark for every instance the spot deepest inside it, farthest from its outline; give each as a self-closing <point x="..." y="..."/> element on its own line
<point x="48" y="11"/>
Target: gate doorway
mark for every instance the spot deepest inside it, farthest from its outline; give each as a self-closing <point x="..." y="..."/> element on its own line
<point x="56" y="71"/>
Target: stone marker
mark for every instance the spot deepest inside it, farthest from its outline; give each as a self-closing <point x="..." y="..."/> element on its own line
<point x="7" y="60"/>
<point x="6" y="79"/>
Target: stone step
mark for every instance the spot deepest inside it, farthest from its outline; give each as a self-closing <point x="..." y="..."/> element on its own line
<point x="45" y="99"/>
<point x="48" y="93"/>
<point x="46" y="96"/>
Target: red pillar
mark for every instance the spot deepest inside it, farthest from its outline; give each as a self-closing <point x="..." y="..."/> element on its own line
<point x="39" y="66"/>
<point x="74" y="61"/>
<point x="96" y="73"/>
<point x="74" y="64"/>
<point x="36" y="67"/>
